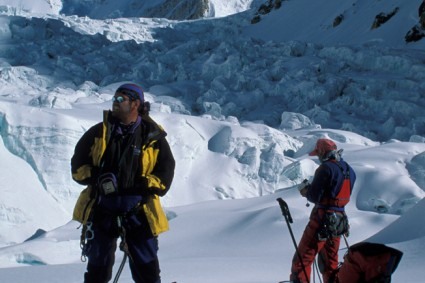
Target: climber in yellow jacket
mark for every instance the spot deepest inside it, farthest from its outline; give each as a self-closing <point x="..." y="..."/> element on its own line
<point x="126" y="164"/>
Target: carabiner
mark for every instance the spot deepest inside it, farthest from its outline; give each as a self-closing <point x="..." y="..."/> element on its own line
<point x="89" y="234"/>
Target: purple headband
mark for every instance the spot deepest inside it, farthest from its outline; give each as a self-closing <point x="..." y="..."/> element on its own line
<point x="133" y="91"/>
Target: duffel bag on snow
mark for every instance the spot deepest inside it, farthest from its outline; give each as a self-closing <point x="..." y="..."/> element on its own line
<point x="368" y="263"/>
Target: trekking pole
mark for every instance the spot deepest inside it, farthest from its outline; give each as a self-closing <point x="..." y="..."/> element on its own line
<point x="117" y="276"/>
<point x="123" y="247"/>
<point x="316" y="271"/>
<point x="346" y="242"/>
<point x="287" y="215"/>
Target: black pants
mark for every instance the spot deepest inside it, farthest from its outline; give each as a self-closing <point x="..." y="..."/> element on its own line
<point x="142" y="247"/>
<point x="144" y="273"/>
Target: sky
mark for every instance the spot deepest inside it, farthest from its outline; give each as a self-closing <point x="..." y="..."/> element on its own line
<point x="242" y="103"/>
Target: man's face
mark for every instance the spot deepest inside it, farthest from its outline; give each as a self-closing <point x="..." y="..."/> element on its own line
<point x="123" y="106"/>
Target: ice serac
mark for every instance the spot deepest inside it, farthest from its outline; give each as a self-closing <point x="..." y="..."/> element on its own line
<point x="170" y="9"/>
<point x="180" y="10"/>
<point x="45" y="147"/>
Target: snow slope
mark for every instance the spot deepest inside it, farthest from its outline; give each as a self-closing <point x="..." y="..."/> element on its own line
<point x="242" y="103"/>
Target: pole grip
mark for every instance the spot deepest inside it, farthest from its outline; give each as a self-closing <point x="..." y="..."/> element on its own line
<point x="285" y="209"/>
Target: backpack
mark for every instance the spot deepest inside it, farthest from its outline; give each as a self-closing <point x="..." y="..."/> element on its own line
<point x="368" y="263"/>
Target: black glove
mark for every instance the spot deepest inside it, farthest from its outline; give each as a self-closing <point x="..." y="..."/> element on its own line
<point x="107" y="183"/>
<point x="303" y="188"/>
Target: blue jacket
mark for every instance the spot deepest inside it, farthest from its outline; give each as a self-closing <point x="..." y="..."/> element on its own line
<point x="328" y="179"/>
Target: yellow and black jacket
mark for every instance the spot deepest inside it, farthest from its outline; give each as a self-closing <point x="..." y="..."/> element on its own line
<point x="151" y="177"/>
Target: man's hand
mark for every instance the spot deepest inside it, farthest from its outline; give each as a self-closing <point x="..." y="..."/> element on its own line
<point x="303" y="192"/>
<point x="303" y="188"/>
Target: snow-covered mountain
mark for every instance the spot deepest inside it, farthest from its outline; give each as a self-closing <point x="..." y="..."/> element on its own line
<point x="101" y="9"/>
<point x="242" y="102"/>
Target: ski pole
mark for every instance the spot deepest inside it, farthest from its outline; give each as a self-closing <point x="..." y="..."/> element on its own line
<point x="346" y="242"/>
<point x="123" y="247"/>
<point x="287" y="215"/>
<point x="117" y="276"/>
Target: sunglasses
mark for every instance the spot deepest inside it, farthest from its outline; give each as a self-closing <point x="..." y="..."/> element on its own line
<point x="119" y="99"/>
<point x="131" y="94"/>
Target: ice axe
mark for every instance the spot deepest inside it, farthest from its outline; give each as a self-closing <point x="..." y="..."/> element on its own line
<point x="285" y="211"/>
